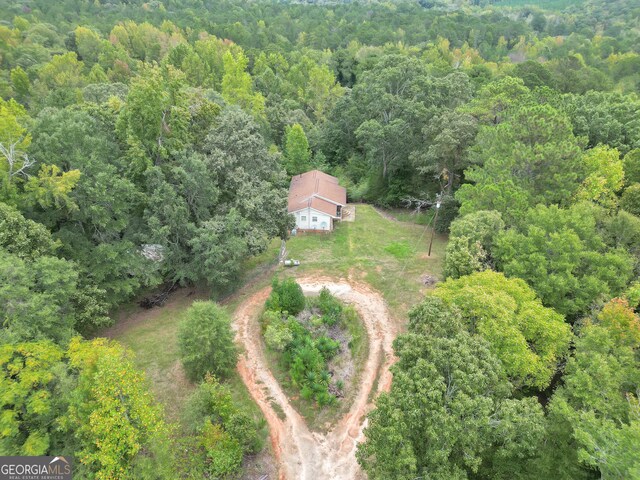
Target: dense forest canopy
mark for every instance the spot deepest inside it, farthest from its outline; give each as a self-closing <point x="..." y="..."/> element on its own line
<point x="151" y="143"/>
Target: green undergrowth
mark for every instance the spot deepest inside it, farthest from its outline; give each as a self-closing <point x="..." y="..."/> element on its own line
<point x="317" y="353"/>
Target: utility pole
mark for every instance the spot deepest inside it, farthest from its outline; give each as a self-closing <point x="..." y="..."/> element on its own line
<point x="433" y="228"/>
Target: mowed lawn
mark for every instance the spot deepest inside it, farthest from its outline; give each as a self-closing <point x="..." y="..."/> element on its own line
<point x="389" y="255"/>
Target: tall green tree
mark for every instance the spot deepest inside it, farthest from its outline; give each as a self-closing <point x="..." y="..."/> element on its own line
<point x="383" y="118"/>
<point x="31" y="406"/>
<point x="529" y="339"/>
<point x="593" y="417"/>
<point x="205" y="340"/>
<point x="632" y="166"/>
<point x="114" y="425"/>
<point x="448" y="414"/>
<point x="87" y="400"/>
<point x="21" y="84"/>
<point x="14" y="141"/>
<point x="296" y="150"/>
<point x="630" y="200"/>
<point x="561" y="254"/>
<point x="99" y="233"/>
<point x="531" y="157"/>
<point x="497" y="99"/>
<point x="606" y="118"/>
<point x="36" y="298"/>
<point x="60" y="80"/>
<point x="604" y="176"/>
<point x="237" y="86"/>
<point x="23" y="237"/>
<point x="471" y="240"/>
<point x="155" y="118"/>
<point x="448" y="137"/>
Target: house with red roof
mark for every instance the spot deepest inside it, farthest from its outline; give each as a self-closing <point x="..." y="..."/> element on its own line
<point x="316" y="200"/>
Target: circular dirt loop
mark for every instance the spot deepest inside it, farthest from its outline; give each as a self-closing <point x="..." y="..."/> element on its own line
<point x="301" y="453"/>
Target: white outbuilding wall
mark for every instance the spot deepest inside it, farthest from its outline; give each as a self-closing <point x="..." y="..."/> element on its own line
<point x="310" y="219"/>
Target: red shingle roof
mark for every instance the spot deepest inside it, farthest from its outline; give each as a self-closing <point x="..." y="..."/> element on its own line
<point x="317" y="190"/>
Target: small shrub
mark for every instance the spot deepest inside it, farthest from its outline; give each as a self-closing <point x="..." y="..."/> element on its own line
<point x="211" y="400"/>
<point x="304" y="361"/>
<point x="327" y="347"/>
<point x="286" y="296"/>
<point x="270" y="317"/>
<point x="278" y="335"/>
<point x="307" y="392"/>
<point x="205" y="341"/>
<point x="304" y="355"/>
<point x="330" y="307"/>
<point x="244" y="429"/>
<point x="317" y="321"/>
<point x="273" y="302"/>
<point x="223" y="451"/>
<point x="325" y="398"/>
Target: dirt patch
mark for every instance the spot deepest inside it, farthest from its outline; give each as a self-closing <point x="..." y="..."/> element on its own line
<point x="260" y="465"/>
<point x="429" y="280"/>
<point x="301" y="453"/>
<point x="341" y="366"/>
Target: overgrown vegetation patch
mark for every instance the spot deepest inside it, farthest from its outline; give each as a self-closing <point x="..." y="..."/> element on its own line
<point x="315" y="345"/>
<point x="220" y="431"/>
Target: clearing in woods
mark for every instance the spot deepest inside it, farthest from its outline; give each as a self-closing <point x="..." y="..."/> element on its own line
<point x="375" y="263"/>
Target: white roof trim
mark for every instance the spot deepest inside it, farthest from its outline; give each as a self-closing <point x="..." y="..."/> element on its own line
<point x="314" y="210"/>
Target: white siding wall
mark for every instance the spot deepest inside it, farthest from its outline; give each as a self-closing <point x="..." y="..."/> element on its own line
<point x="305" y="220"/>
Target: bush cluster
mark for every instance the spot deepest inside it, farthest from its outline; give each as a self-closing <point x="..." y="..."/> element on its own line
<point x="286" y="296"/>
<point x="224" y="432"/>
<point x="305" y="351"/>
<point x="330" y="307"/>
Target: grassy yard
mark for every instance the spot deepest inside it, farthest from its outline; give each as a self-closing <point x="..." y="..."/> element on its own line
<point x="154" y="343"/>
<point x="411" y="216"/>
<point x="152" y="337"/>
<point x="151" y="334"/>
<point x="389" y="255"/>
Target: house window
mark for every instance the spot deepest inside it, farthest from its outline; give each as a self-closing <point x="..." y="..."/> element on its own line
<point x="314" y="219"/>
<point x="303" y="218"/>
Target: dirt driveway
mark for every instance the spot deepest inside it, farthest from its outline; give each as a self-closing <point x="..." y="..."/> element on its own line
<point x="301" y="453"/>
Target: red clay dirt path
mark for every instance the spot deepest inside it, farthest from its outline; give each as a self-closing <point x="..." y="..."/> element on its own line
<point x="301" y="453"/>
